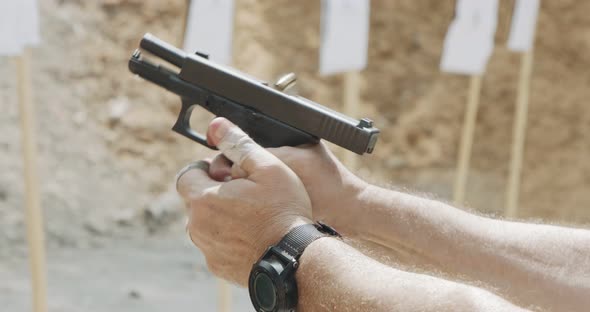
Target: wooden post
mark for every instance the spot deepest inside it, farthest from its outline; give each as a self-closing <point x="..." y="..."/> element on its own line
<point x="519" y="132"/>
<point x="352" y="88"/>
<point x="467" y="139"/>
<point x="185" y="21"/>
<point x="224" y="296"/>
<point x="34" y="218"/>
<point x="224" y="301"/>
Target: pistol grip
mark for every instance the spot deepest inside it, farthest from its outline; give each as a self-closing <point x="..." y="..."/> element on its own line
<point x="183" y="126"/>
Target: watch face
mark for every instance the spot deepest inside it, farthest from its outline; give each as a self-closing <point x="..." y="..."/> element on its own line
<point x="272" y="284"/>
<point x="265" y="292"/>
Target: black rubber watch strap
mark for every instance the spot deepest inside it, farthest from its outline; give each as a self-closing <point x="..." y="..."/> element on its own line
<point x="295" y="242"/>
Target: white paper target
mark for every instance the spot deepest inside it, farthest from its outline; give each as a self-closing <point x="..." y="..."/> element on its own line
<point x="209" y="29"/>
<point x="19" y="26"/>
<point x="524" y="22"/>
<point x="470" y="39"/>
<point x="344" y="35"/>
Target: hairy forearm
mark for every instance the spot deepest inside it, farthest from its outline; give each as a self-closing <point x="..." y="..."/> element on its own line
<point x="335" y="277"/>
<point x="532" y="264"/>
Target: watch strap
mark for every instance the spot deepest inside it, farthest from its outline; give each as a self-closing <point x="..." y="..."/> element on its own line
<point x="295" y="242"/>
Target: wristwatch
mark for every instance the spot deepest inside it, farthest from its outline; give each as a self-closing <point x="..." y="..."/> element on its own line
<point x="272" y="282"/>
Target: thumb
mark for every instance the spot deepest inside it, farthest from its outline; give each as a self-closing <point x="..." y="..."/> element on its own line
<point x="238" y="147"/>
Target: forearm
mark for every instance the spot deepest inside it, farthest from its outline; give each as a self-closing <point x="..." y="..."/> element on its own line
<point x="335" y="277"/>
<point x="533" y="264"/>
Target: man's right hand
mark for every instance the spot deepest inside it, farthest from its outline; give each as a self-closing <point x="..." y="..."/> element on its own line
<point x="334" y="191"/>
<point x="438" y="236"/>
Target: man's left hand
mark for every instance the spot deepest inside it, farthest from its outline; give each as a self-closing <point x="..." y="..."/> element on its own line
<point x="234" y="222"/>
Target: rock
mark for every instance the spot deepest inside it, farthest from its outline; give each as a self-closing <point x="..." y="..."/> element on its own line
<point x="115" y="3"/>
<point x="96" y="226"/>
<point x="134" y="294"/>
<point x="3" y="194"/>
<point x="396" y="162"/>
<point x="124" y="217"/>
<point x="117" y="109"/>
<point x="164" y="210"/>
<point x="79" y="118"/>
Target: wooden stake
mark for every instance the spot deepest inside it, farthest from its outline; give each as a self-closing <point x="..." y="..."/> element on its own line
<point x="519" y="132"/>
<point x="224" y="301"/>
<point x="223" y="288"/>
<point x="224" y="296"/>
<point x="351" y="108"/>
<point x="34" y="218"/>
<point x="467" y="140"/>
<point x="185" y="21"/>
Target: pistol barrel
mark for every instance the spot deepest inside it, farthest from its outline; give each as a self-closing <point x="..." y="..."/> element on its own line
<point x="166" y="51"/>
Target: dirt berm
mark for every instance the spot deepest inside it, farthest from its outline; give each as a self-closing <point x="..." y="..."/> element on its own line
<point x="108" y="157"/>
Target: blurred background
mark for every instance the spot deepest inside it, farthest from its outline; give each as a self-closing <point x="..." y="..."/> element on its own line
<point x="107" y="156"/>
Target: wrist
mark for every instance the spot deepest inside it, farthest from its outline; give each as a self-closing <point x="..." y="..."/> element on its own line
<point x="388" y="217"/>
<point x="354" y="197"/>
<point x="353" y="217"/>
<point x="275" y="231"/>
<point x="345" y="206"/>
<point x="272" y="282"/>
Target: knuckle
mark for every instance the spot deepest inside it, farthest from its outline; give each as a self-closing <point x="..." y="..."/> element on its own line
<point x="203" y="197"/>
<point x="247" y="151"/>
<point x="209" y="196"/>
<point x="195" y="194"/>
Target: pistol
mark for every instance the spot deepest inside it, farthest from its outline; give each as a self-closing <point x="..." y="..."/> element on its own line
<point x="269" y="114"/>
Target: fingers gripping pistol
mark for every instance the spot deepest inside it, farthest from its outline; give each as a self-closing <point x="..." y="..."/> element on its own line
<point x="269" y="115"/>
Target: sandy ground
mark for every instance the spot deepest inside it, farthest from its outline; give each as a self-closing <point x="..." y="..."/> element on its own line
<point x="154" y="274"/>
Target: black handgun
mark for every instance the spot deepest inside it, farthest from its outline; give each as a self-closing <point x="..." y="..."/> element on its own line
<point x="270" y="116"/>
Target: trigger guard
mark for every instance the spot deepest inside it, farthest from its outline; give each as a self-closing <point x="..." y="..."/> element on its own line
<point x="183" y="127"/>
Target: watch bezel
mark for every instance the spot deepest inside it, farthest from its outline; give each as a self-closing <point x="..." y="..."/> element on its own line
<point x="278" y="266"/>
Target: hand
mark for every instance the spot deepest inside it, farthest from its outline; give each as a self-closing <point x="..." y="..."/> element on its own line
<point x="233" y="222"/>
<point x="334" y="191"/>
